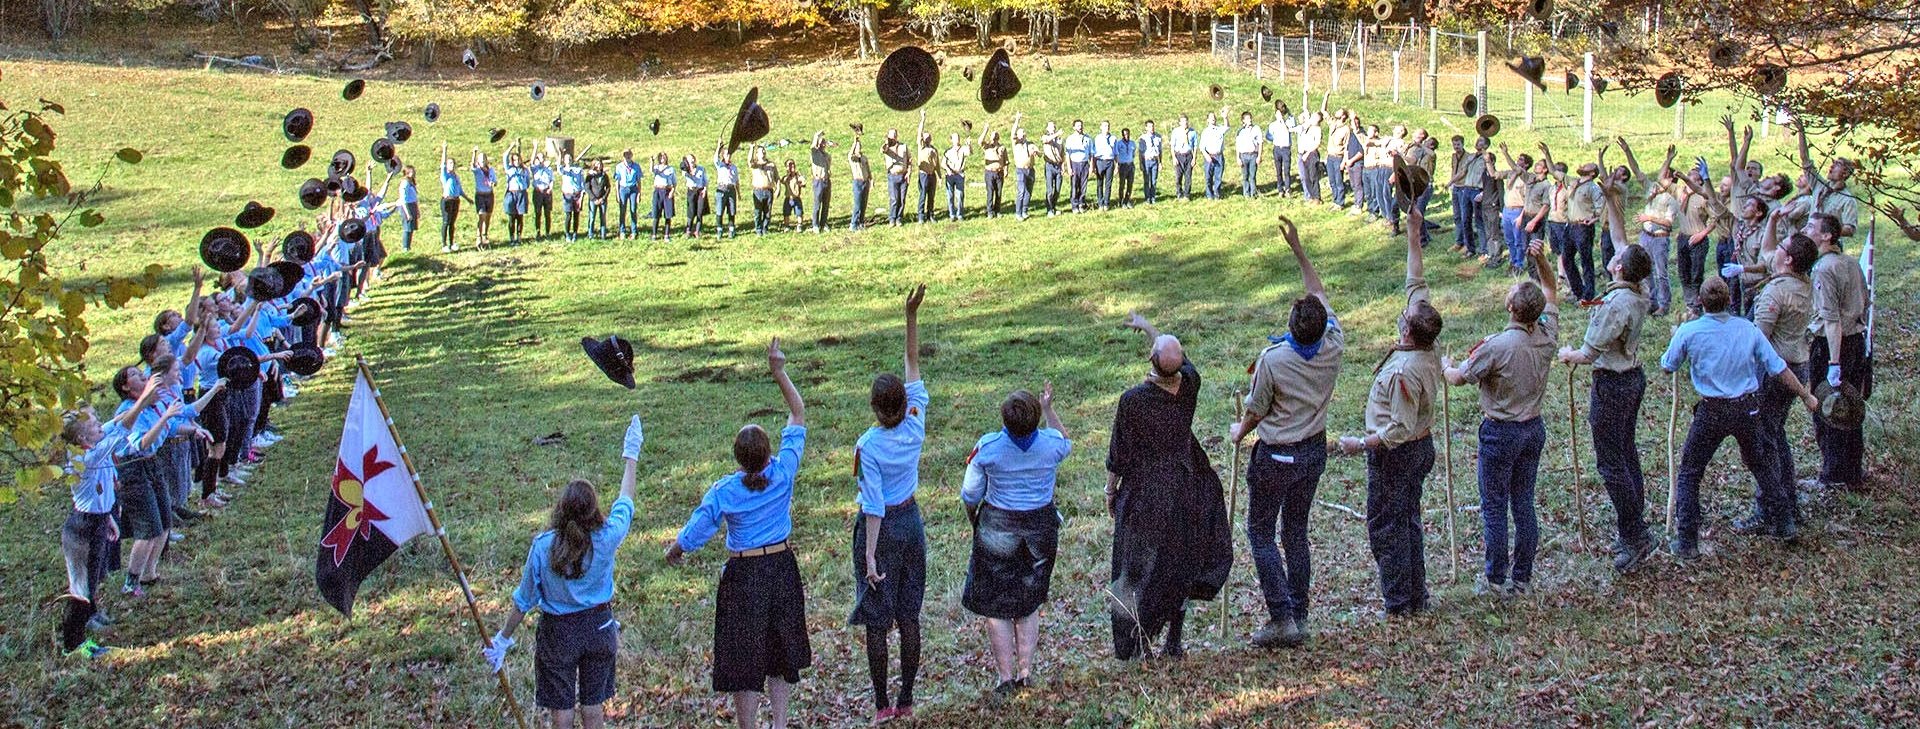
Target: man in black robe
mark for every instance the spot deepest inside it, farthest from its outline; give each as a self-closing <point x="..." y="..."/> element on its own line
<point x="1171" y="538"/>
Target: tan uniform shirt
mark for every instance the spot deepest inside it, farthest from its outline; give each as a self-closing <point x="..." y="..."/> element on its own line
<point x="1539" y="195"/>
<point x="858" y="162"/>
<point x="1400" y="403"/>
<point x="929" y="160"/>
<point x="1695" y="216"/>
<point x="1783" y="310"/>
<point x="896" y="154"/>
<point x="1291" y="393"/>
<point x="1516" y="182"/>
<point x="1613" y="334"/>
<point x="995" y="156"/>
<point x="821" y="162"/>
<point x="1585" y="202"/>
<point x="1557" y="204"/>
<point x="1839" y="294"/>
<point x="1023" y="154"/>
<point x="1511" y="368"/>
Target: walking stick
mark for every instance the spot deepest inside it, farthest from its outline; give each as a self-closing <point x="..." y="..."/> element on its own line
<point x="1573" y="452"/>
<point x="1453" y="535"/>
<point x="1233" y="498"/>
<point x="1673" y="419"/>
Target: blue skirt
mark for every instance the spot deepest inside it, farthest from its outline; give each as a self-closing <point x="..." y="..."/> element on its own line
<point x="901" y="556"/>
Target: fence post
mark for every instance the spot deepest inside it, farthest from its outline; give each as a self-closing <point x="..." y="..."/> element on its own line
<point x="1586" y="92"/>
<point x="1360" y="46"/>
<point x="1766" y="115"/>
<point x="1396" y="77"/>
<point x="1236" y="42"/>
<point x="1259" y="54"/>
<point x="1679" y="119"/>
<point x="1526" y="118"/>
<point x="1333" y="56"/>
<point x="1432" y="86"/>
<point x="1480" y="76"/>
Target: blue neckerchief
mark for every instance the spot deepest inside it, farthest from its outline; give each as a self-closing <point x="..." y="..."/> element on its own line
<point x="1306" y="353"/>
<point x="1023" y="442"/>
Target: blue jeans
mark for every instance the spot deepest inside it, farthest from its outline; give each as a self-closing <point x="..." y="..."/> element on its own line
<point x="896" y="198"/>
<point x="629" y="210"/>
<point x="1516" y="236"/>
<point x="1250" y="174"/>
<point x="1150" y="180"/>
<point x="1022" y="191"/>
<point x="1077" y="195"/>
<point x="995" y="181"/>
<point x="1509" y="467"/>
<point x="1716" y="419"/>
<point x="1395" y="478"/>
<point x="762" y="210"/>
<point x="1310" y="175"/>
<point x="926" y="196"/>
<point x="1281" y="481"/>
<point x="1183" y="175"/>
<point x="1282" y="168"/>
<point x="1336" y="181"/>
<point x="1053" y="188"/>
<point x="956" y="196"/>
<point x="822" y="195"/>
<point x="1613" y="411"/>
<point x="1103" y="182"/>
<point x="412" y="223"/>
<point x="1216" y="174"/>
<point x="726" y="206"/>
<point x="859" y="218"/>
<point x="1660" y="284"/>
<point x="597" y="219"/>
<point x="1466" y="212"/>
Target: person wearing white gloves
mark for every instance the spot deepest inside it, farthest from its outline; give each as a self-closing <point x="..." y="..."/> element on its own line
<point x="569" y="578"/>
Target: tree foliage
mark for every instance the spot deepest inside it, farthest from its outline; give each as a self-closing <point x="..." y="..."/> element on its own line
<point x="43" y="317"/>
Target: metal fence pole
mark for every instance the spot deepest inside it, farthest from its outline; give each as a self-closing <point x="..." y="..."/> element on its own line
<point x="1432" y="86"/>
<point x="1526" y="118"/>
<point x="1679" y="120"/>
<point x="1283" y="59"/>
<point x="1259" y="54"/>
<point x="1396" y="77"/>
<point x="1766" y="116"/>
<point x="1480" y="77"/>
<point x="1586" y="92"/>
<point x="1236" y="42"/>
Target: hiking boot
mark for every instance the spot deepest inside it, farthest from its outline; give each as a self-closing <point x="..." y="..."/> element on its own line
<point x="1275" y="634"/>
<point x="1787" y="532"/>
<point x="1684" y="551"/>
<point x="1628" y="557"/>
<point x="1750" y="524"/>
<point x="1484" y="587"/>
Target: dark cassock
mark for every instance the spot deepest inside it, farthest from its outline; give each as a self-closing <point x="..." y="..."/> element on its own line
<point x="1172" y="538"/>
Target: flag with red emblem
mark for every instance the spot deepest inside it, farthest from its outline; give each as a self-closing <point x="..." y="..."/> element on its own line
<point x="373" y="507"/>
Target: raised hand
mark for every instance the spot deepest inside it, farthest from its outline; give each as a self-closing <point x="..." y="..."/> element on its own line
<point x="1726" y="120"/>
<point x="1290" y="232"/>
<point x="1046" y="395"/>
<point x="776" y="359"/>
<point x="915" y="297"/>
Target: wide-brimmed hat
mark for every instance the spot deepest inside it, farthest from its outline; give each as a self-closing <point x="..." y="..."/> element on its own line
<point x="1540" y="8"/>
<point x="1769" y="79"/>
<point x="290" y="275"/>
<point x="1531" y="68"/>
<point x="253" y="215"/>
<point x="998" y="82"/>
<point x="399" y="131"/>
<point x="1470" y="105"/>
<point x="1487" y="125"/>
<point x="613" y="355"/>
<point x="343" y="163"/>
<point x="299" y="247"/>
<point x="653" y="127"/>
<point x="1409" y="181"/>
<point x="239" y="365"/>
<point x="750" y="123"/>
<point x="495" y="135"/>
<point x="225" y="250"/>
<point x="1841" y="407"/>
<point x="431" y="113"/>
<point x="469" y="59"/>
<point x="305" y="311"/>
<point x="1266" y="92"/>
<point x="1216" y="92"/>
<point x="313" y="193"/>
<point x="907" y="79"/>
<point x="264" y="284"/>
<point x="295" y="157"/>
<point x="352" y="230"/>
<point x="297" y="125"/>
<point x="556" y="121"/>
<point x="1666" y="90"/>
<point x="351" y="191"/>
<point x="305" y="359"/>
<point x="1724" y="53"/>
<point x="382" y="150"/>
<point x="353" y="89"/>
<point x="538" y="91"/>
<point x="1383" y="10"/>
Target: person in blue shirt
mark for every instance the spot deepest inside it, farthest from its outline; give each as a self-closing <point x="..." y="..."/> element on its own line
<point x="696" y="195"/>
<point x="145" y="513"/>
<point x="483" y="183"/>
<point x="450" y="196"/>
<point x="573" y="188"/>
<point x="568" y="577"/>
<point x="889" y="538"/>
<point x="626" y="183"/>
<point x="409" y="207"/>
<point x="1008" y="495"/>
<point x="1152" y="149"/>
<point x="760" y="614"/>
<point x="1123" y="155"/>
<point x="1103" y="160"/>
<point x="519" y="184"/>
<point x="87" y="537"/>
<point x="542" y="196"/>
<point x="664" y="181"/>
<point x="1079" y="148"/>
<point x="726" y="190"/>
<point x="1727" y="356"/>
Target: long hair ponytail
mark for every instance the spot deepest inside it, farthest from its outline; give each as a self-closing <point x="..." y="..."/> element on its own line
<point x="576" y="516"/>
<point x="750" y="450"/>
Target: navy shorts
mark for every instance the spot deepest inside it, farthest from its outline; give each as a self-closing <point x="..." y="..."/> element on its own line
<point x="573" y="657"/>
<point x="145" y="510"/>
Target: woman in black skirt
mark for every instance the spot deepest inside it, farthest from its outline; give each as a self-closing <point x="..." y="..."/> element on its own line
<point x="1008" y="495"/>
<point x="760" y="611"/>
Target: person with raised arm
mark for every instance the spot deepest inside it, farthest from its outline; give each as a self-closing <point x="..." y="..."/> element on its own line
<point x="1286" y="406"/>
<point x="764" y="176"/>
<point x="821" y="174"/>
<point x="1829" y="193"/>
<point x="993" y="155"/>
<point x="696" y="195"/>
<point x="626" y="178"/>
<point x="860" y="178"/>
<point x="1024" y="153"/>
<point x="1783" y="310"/>
<point x="484" y="178"/>
<point x="1516" y="179"/>
<point x="889" y="537"/>
<point x="1655" y="221"/>
<point x="568" y="578"/>
<point x="927" y="164"/>
<point x="451" y="194"/>
<point x="899" y="163"/>
<point x="1612" y="346"/>
<point x="1701" y="213"/>
<point x="760" y="642"/>
<point x="518" y="186"/>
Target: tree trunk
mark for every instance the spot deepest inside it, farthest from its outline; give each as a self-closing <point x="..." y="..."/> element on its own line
<point x="1193" y="27"/>
<point x="61" y="17"/>
<point x="983" y="28"/>
<point x="1145" y="17"/>
<point x="376" y="25"/>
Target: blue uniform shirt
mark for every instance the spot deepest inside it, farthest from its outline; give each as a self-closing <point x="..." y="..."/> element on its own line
<point x="94" y="486"/>
<point x="1123" y="151"/>
<point x="887" y="460"/>
<point x="518" y="178"/>
<point x="697" y="177"/>
<point x="542" y="177"/>
<point x="663" y="176"/>
<point x="482" y="179"/>
<point x="449" y="184"/>
<point x="541" y="587"/>
<point x="409" y="192"/>
<point x="753" y="518"/>
<point x="1727" y="354"/>
<point x="142" y="424"/>
<point x="1010" y="478"/>
<point x="626" y="174"/>
<point x="1078" y="147"/>
<point x="1103" y="146"/>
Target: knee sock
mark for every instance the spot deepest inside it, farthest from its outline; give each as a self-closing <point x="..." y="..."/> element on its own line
<point x="909" y="661"/>
<point x="73" y="627"/>
<point x="877" y="665"/>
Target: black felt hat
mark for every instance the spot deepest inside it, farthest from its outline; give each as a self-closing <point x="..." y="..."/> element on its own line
<point x="998" y="82"/>
<point x="1216" y="92"/>
<point x="351" y="191"/>
<point x="264" y="284"/>
<point x="399" y="131"/>
<point x="1842" y="407"/>
<point x="907" y="79"/>
<point x="1531" y="68"/>
<point x="495" y="135"/>
<point x="290" y="275"/>
<point x="556" y="121"/>
<point x="225" y="250"/>
<point x="240" y="366"/>
<point x="1266" y="92"/>
<point x="1487" y="125"/>
<point x="1724" y="53"/>
<point x="313" y="193"/>
<point x="1383" y="10"/>
<point x="305" y="311"/>
<point x="1540" y="8"/>
<point x="353" y="89"/>
<point x="538" y="91"/>
<point x="469" y="59"/>
<point x="1666" y="90"/>
<point x="750" y="123"/>
<point x="653" y="127"/>
<point x="1470" y="105"/>
<point x="1409" y="181"/>
<point x="613" y="355"/>
<point x="967" y="72"/>
<point x="1573" y="81"/>
<point x="431" y="113"/>
<point x="305" y="359"/>
<point x="295" y="157"/>
<point x="297" y="125"/>
<point x="343" y="163"/>
<point x="1769" y="79"/>
<point x="299" y="247"/>
<point x="253" y="215"/>
<point x="382" y="150"/>
<point x="394" y="165"/>
<point x="352" y="230"/>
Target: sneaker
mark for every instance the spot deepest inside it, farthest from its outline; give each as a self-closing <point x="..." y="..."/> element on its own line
<point x="1484" y="587"/>
<point x="1628" y="557"/>
<point x="88" y="650"/>
<point x="175" y="536"/>
<point x="132" y="589"/>
<point x="186" y="515"/>
<point x="1683" y="551"/>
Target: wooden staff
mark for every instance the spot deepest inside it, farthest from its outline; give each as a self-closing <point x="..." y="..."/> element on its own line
<point x="433" y="518"/>
<point x="1453" y="534"/>
<point x="1673" y="420"/>
<point x="1233" y="497"/>
<point x="1573" y="452"/>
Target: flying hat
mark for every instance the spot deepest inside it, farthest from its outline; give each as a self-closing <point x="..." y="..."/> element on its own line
<point x="290" y="275"/>
<point x="1666" y="91"/>
<point x="1487" y="125"/>
<point x="556" y="122"/>
<point x="1842" y="407"/>
<point x="394" y="165"/>
<point x="654" y="127"/>
<point x="264" y="284"/>
<point x="253" y="215"/>
<point x="1530" y="68"/>
<point x="967" y="72"/>
<point x="1724" y="53"/>
<point x="382" y="150"/>
<point x="239" y="365"/>
<point x="298" y="247"/>
<point x="304" y="311"/>
<point x="998" y="82"/>
<point x="1216" y="92"/>
<point x="497" y="134"/>
<point x="297" y="125"/>
<point x="468" y="59"/>
<point x="225" y="250"/>
<point x="1266" y="92"/>
<point x="399" y="131"/>
<point x="1540" y="8"/>
<point x="858" y="128"/>
<point x="350" y="190"/>
<point x="305" y="359"/>
<point x="342" y="164"/>
<point x="353" y="89"/>
<point x="538" y="91"/>
<point x="1769" y="79"/>
<point x="966" y="124"/>
<point x="431" y="113"/>
<point x="1573" y="81"/>
<point x="907" y="79"/>
<point x="1383" y="9"/>
<point x="613" y="355"/>
<point x="352" y="230"/>
<point x="750" y="124"/>
<point x="1409" y="182"/>
<point x="1600" y="85"/>
<point x="295" y="157"/>
<point x="313" y="193"/>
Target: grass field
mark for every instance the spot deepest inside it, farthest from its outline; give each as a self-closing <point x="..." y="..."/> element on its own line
<point x="477" y="355"/>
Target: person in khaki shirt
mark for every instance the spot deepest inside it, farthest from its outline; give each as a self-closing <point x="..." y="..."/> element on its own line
<point x="1581" y="205"/>
<point x="1692" y="234"/>
<point x="1511" y="369"/>
<point x="926" y="167"/>
<point x="1287" y="405"/>
<point x="994" y="157"/>
<point x="1024" y="153"/>
<point x="1839" y="351"/>
<point x="1399" y="441"/>
<point x="1783" y="310"/>
<point x="1612" y="346"/>
<point x="898" y="163"/>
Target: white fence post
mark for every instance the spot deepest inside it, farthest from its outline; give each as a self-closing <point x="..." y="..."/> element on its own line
<point x="1259" y="54"/>
<point x="1586" y="126"/>
<point x="1396" y="77"/>
<point x="1360" y="52"/>
<point x="1236" y="42"/>
<point x="1766" y="116"/>
<point x="1526" y="119"/>
<point x="1283" y="59"/>
<point x="1431" y="88"/>
<point x="1333" y="56"/>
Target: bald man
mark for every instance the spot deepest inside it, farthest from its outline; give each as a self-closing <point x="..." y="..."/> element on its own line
<point x="1171" y="538"/>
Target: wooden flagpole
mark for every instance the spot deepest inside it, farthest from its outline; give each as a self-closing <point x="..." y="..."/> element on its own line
<point x="1453" y="538"/>
<point x="1573" y="452"/>
<point x="1673" y="419"/>
<point x="1233" y="497"/>
<point x="446" y="545"/>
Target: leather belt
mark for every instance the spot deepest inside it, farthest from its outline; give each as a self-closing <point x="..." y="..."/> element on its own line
<point x="902" y="506"/>
<point x="774" y="548"/>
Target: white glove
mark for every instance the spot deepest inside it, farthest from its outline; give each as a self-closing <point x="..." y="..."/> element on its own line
<point x="635" y="437"/>
<point x="496" y="652"/>
<point x="1833" y="375"/>
<point x="1731" y="270"/>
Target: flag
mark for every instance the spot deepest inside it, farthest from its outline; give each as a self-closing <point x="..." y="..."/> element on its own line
<point x="373" y="507"/>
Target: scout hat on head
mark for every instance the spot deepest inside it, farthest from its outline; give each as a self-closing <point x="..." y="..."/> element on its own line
<point x="239" y="365"/>
<point x="1842" y="407"/>
<point x="1769" y="79"/>
<point x="1383" y="10"/>
<point x="295" y="157"/>
<point x="253" y="215"/>
<point x="1530" y="68"/>
<point x="1470" y="105"/>
<point x="353" y="89"/>
<point x="264" y="284"/>
<point x="352" y="230"/>
<point x="225" y="250"/>
<point x="298" y="247"/>
<point x="313" y="193"/>
<point x="290" y="275"/>
<point x="613" y="355"/>
<point x="1409" y="181"/>
<point x="399" y="131"/>
<point x="1487" y="125"/>
<point x="1724" y="53"/>
<point x="907" y="79"/>
<point x="1666" y="91"/>
<point x="431" y="113"/>
<point x="382" y="150"/>
<point x="297" y="125"/>
<point x="497" y="134"/>
<point x="305" y="311"/>
<point x="342" y="164"/>
<point x="998" y="82"/>
<point x="750" y="123"/>
<point x="538" y="91"/>
<point x="305" y="359"/>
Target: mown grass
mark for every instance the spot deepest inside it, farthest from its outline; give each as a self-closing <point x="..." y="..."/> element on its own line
<point x="477" y="355"/>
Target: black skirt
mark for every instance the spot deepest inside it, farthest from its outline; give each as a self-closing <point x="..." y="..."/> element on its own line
<point x="759" y="623"/>
<point x="901" y="556"/>
<point x="1012" y="564"/>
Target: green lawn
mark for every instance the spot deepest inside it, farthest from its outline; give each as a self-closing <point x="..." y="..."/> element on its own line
<point x="477" y="355"/>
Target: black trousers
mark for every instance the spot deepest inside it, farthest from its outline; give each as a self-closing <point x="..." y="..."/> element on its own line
<point x="1842" y="450"/>
<point x="1395" y="479"/>
<point x="1716" y="419"/>
<point x="1281" y="481"/>
<point x="1775" y="403"/>
<point x="1614" y="413"/>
